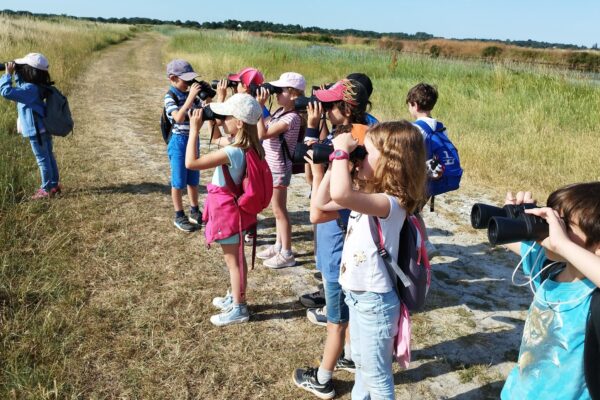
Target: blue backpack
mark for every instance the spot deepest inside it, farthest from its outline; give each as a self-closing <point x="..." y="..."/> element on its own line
<point x="442" y="160"/>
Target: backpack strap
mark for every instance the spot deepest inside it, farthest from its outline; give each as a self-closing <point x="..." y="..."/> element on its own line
<point x="236" y="190"/>
<point x="439" y="128"/>
<point x="391" y="265"/>
<point x="591" y="347"/>
<point x="284" y="146"/>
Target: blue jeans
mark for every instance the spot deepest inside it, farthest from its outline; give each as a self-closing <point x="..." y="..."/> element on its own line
<point x="373" y="326"/>
<point x="45" y="160"/>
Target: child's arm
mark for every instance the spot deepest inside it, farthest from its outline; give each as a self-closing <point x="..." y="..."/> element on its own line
<point x="322" y="198"/>
<point x="376" y="204"/>
<point x="318" y="215"/>
<point x="558" y="241"/>
<point x="274" y="130"/>
<point x="181" y="113"/>
<point x="192" y="159"/>
<point x="25" y="94"/>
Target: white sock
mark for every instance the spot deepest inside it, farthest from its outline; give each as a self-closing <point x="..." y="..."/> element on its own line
<point x="277" y="246"/>
<point x="347" y="352"/>
<point x="287" y="253"/>
<point x="324" y="375"/>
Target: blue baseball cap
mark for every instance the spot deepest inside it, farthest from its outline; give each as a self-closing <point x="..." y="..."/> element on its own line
<point x="181" y="69"/>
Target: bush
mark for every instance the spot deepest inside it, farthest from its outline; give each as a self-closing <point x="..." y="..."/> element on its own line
<point x="435" y="51"/>
<point x="491" y="52"/>
<point x="584" y="61"/>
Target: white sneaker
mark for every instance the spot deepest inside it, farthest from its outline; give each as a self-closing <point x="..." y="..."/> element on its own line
<point x="432" y="251"/>
<point x="280" y="261"/>
<point x="235" y="314"/>
<point x="267" y="253"/>
<point x="223" y="303"/>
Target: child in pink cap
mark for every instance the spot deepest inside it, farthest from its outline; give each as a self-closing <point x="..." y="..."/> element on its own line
<point x="279" y="135"/>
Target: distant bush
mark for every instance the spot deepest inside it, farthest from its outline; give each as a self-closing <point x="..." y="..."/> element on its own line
<point x="435" y="51"/>
<point x="491" y="52"/>
<point x="390" y="44"/>
<point x="584" y="61"/>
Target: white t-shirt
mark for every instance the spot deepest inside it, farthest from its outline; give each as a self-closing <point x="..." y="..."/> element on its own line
<point x="362" y="267"/>
<point x="432" y="122"/>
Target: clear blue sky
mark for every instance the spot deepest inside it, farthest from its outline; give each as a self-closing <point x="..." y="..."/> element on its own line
<point x="566" y="21"/>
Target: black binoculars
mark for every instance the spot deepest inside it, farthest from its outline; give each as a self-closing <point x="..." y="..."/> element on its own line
<point x="301" y="103"/>
<point x="322" y="151"/>
<point x="2" y="66"/>
<point x="509" y="224"/>
<point x="205" y="89"/>
<point x="230" y="84"/>
<point x="255" y="89"/>
<point x="209" y="115"/>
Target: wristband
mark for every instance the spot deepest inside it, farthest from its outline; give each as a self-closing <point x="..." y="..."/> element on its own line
<point x="339" y="155"/>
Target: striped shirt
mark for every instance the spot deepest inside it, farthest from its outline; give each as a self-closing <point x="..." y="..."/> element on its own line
<point x="278" y="163"/>
<point x="171" y="107"/>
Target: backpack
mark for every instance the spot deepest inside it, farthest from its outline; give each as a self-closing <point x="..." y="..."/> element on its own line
<point x="412" y="273"/>
<point x="296" y="168"/>
<point x="442" y="160"/>
<point x="58" y="120"/>
<point x="166" y="127"/>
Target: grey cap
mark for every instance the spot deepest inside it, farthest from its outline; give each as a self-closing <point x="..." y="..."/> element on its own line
<point x="181" y="69"/>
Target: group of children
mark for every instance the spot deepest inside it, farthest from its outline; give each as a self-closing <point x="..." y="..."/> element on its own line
<point x="388" y="183"/>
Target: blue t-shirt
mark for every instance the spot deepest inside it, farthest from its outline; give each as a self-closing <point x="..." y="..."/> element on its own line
<point x="330" y="242"/>
<point x="237" y="166"/>
<point x="550" y="364"/>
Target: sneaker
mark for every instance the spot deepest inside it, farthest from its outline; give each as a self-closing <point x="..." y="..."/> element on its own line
<point x="55" y="191"/>
<point x="313" y="300"/>
<point x="184" y="224"/>
<point x="249" y="237"/>
<point x="345" y="364"/>
<point x="306" y="378"/>
<point x="235" y="314"/>
<point x="317" y="316"/>
<point x="280" y="261"/>
<point x="41" y="194"/>
<point x="195" y="217"/>
<point x="267" y="252"/>
<point x="223" y="303"/>
<point x="432" y="251"/>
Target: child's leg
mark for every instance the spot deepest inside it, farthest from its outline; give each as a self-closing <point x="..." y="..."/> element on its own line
<point x="337" y="324"/>
<point x="43" y="159"/>
<point x="192" y="191"/>
<point x="372" y="336"/>
<point x="177" y="197"/>
<point x="55" y="178"/>
<point x="282" y="219"/>
<point x="231" y="253"/>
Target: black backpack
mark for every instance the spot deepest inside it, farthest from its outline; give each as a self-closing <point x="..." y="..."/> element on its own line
<point x="166" y="127"/>
<point x="58" y="120"/>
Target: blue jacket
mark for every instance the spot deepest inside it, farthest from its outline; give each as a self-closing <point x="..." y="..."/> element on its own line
<point x="28" y="99"/>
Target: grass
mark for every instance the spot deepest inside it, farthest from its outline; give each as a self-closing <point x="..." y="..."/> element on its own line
<point x="69" y="46"/>
<point x="515" y="127"/>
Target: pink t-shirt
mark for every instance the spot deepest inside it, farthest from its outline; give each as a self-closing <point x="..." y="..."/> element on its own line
<point x="279" y="163"/>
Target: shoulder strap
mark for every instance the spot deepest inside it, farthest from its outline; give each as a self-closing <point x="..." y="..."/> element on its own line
<point x="236" y="190"/>
<point x="391" y="265"/>
<point x="284" y="146"/>
<point x="425" y="126"/>
<point x="591" y="349"/>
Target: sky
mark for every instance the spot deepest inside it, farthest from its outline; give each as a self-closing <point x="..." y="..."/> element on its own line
<point x="569" y="22"/>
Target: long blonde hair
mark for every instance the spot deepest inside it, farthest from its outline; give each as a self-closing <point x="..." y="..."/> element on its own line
<point x="247" y="137"/>
<point x="400" y="169"/>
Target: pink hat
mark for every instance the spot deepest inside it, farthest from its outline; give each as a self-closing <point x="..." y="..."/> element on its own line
<point x="346" y="90"/>
<point x="35" y="60"/>
<point x="290" y="79"/>
<point x="248" y="76"/>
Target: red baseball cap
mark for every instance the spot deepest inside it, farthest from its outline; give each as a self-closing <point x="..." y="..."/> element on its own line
<point x="248" y="76"/>
<point x="346" y="90"/>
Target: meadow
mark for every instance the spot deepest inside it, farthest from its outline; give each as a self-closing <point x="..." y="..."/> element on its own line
<point x="95" y="304"/>
<point x="515" y="127"/>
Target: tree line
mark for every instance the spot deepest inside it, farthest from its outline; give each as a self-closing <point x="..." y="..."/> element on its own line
<point x="263" y="26"/>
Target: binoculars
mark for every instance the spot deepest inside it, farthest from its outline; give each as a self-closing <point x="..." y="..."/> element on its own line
<point x="509" y="224"/>
<point x="2" y="66"/>
<point x="322" y="151"/>
<point x="209" y="115"/>
<point x="206" y="90"/>
<point x="301" y="103"/>
<point x="230" y="84"/>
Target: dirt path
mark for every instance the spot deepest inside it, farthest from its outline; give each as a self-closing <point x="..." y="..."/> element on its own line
<point x="144" y="329"/>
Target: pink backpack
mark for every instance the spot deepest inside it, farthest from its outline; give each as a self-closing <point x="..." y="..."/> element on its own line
<point x="257" y="186"/>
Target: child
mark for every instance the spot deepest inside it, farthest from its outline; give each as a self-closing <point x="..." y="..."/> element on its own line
<point x="388" y="184"/>
<point x="30" y="72"/>
<point x="279" y="135"/>
<point x="331" y="222"/>
<point x="242" y="113"/>
<point x="181" y="75"/>
<point x="421" y="99"/>
<point x="245" y="79"/>
<point x="551" y="356"/>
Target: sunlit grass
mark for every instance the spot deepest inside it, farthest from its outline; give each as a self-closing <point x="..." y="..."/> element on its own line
<point x="515" y="127"/>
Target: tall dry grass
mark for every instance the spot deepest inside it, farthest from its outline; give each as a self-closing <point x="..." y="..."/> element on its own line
<point x="515" y="127"/>
<point x="69" y="45"/>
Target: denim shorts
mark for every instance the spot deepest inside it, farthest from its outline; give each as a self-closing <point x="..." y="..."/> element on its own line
<point x="337" y="309"/>
<point x="233" y="239"/>
<point x="180" y="175"/>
